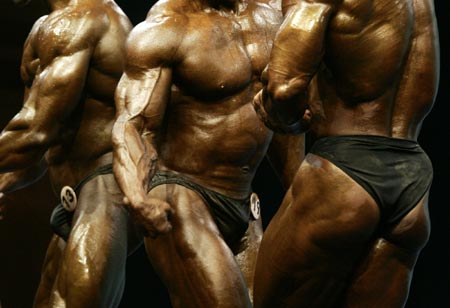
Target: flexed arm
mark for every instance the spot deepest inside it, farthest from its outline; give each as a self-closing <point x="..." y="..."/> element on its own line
<point x="135" y="153"/>
<point x="142" y="96"/>
<point x="296" y="56"/>
<point x="52" y="96"/>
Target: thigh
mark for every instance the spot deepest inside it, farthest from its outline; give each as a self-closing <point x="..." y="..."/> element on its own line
<point x="93" y="265"/>
<point x="49" y="272"/>
<point x="100" y="222"/>
<point x="383" y="278"/>
<point x="314" y="241"/>
<point x="194" y="262"/>
<point x="248" y="252"/>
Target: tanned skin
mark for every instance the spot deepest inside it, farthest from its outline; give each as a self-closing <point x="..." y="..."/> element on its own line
<point x="375" y="64"/>
<point x="72" y="61"/>
<point x="185" y="106"/>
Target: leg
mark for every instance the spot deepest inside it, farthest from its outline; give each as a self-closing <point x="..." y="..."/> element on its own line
<point x="49" y="271"/>
<point x="92" y="270"/>
<point x="248" y="252"/>
<point x="194" y="262"/>
<point x="383" y="278"/>
<point x="313" y="243"/>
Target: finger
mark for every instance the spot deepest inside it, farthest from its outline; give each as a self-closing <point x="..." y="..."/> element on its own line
<point x="162" y="215"/>
<point x="162" y="224"/>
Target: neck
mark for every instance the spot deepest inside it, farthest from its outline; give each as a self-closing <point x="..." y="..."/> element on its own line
<point x="57" y="4"/>
<point x="60" y="4"/>
<point x="227" y="5"/>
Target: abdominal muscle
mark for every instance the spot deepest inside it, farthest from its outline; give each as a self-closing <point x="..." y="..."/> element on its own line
<point x="216" y="144"/>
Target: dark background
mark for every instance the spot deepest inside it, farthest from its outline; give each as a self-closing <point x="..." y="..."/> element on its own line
<point x="24" y="234"/>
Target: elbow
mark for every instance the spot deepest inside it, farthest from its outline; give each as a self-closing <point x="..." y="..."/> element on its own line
<point x="25" y="152"/>
<point x="35" y="146"/>
<point x="38" y="140"/>
<point x="287" y="90"/>
<point x="282" y="105"/>
<point x="288" y="99"/>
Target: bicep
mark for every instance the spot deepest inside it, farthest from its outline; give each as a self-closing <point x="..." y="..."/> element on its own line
<point x="56" y="90"/>
<point x="299" y="44"/>
<point x="143" y="94"/>
<point x="144" y="88"/>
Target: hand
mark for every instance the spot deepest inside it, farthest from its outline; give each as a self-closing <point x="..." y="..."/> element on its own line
<point x="258" y="105"/>
<point x="300" y="124"/>
<point x="152" y="214"/>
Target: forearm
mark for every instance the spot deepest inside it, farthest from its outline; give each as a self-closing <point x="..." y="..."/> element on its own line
<point x="12" y="181"/>
<point x="27" y="137"/>
<point x="21" y="149"/>
<point x="134" y="160"/>
<point x="53" y="96"/>
<point x="134" y="164"/>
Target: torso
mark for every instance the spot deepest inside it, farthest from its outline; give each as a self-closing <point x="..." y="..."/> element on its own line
<point x="212" y="133"/>
<point x="388" y="40"/>
<point x="85" y="138"/>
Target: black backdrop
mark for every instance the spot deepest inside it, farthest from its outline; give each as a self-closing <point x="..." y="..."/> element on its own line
<point x="24" y="234"/>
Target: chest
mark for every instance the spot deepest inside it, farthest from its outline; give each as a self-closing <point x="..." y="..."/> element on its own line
<point x="223" y="55"/>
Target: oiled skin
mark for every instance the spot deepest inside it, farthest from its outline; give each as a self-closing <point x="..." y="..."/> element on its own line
<point x="185" y="106"/>
<point x="72" y="61"/>
<point x="375" y="65"/>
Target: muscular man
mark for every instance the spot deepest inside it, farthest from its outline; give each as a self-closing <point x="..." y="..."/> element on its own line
<point x="351" y="228"/>
<point x="187" y="143"/>
<point x="72" y="61"/>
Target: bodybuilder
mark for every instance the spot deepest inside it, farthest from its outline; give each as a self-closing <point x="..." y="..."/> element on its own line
<point x="187" y="143"/>
<point x="72" y="61"/>
<point x="351" y="228"/>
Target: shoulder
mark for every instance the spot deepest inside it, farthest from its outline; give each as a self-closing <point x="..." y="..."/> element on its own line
<point x="159" y="36"/>
<point x="37" y="24"/>
<point x="34" y="30"/>
<point x="265" y="14"/>
<point x="74" y="27"/>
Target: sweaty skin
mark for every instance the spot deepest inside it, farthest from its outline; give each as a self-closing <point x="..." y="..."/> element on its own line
<point x="185" y="106"/>
<point x="71" y="64"/>
<point x="373" y="68"/>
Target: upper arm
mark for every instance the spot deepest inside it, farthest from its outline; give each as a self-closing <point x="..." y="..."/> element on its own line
<point x="63" y="50"/>
<point x="299" y="44"/>
<point x="151" y="54"/>
<point x="30" y="62"/>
